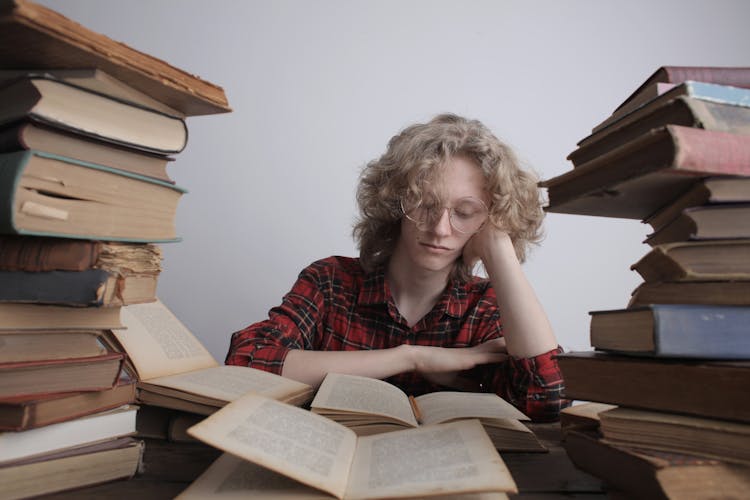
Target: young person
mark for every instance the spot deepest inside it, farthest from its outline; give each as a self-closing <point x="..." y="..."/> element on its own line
<point x="445" y="195"/>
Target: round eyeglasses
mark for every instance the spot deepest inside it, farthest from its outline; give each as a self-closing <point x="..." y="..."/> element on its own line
<point x="467" y="216"/>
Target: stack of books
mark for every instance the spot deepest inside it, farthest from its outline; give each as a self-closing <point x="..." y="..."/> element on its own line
<point x="675" y="361"/>
<point x="87" y="129"/>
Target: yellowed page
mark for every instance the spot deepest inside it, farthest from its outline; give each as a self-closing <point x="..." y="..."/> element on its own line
<point x="444" y="406"/>
<point x="451" y="458"/>
<point x="232" y="478"/>
<point x="351" y="393"/>
<point x="228" y="382"/>
<point x="158" y="343"/>
<point x="291" y="441"/>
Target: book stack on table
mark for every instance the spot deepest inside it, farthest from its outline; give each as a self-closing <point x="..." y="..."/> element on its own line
<point x="675" y="361"/>
<point x="88" y="127"/>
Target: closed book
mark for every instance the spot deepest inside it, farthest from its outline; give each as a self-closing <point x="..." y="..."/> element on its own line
<point x="28" y="378"/>
<point x="642" y="473"/>
<point x="50" y="344"/>
<point x="60" y="42"/>
<point x="92" y="287"/>
<point x="85" y="112"/>
<point x="28" y="412"/>
<point x="714" y="293"/>
<point x="53" y="472"/>
<point x="24" y="317"/>
<point x="737" y="76"/>
<point x="48" y="195"/>
<point x="691" y="104"/>
<point x="714" y="260"/>
<point x="638" y="178"/>
<point x="88" y="429"/>
<point x="706" y="437"/>
<point x="674" y="330"/>
<point x="709" y="191"/>
<point x="713" y="388"/>
<point x="29" y="135"/>
<point x="707" y="222"/>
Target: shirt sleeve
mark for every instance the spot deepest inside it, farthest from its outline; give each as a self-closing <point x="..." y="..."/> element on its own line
<point x="534" y="385"/>
<point x="291" y="325"/>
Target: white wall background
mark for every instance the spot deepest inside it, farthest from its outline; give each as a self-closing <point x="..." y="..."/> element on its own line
<point x="318" y="88"/>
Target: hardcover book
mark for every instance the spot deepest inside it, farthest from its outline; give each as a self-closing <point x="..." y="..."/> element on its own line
<point x="711" y="293"/>
<point x="705" y="222"/>
<point x="62" y="105"/>
<point x="674" y="330"/>
<point x="62" y="43"/>
<point x="636" y="179"/>
<point x="693" y="387"/>
<point x="48" y="195"/>
<point x="34" y="317"/>
<point x="715" y="260"/>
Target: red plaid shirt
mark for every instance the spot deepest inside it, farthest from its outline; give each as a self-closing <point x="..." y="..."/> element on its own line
<point x="336" y="306"/>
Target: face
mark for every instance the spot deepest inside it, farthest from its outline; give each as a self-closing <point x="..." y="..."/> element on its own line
<point x="437" y="245"/>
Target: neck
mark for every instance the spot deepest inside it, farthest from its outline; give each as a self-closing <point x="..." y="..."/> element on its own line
<point x="415" y="291"/>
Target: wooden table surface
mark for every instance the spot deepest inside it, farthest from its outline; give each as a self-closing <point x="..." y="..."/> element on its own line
<point x="168" y="468"/>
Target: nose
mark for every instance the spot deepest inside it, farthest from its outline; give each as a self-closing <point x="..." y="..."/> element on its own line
<point x="442" y="225"/>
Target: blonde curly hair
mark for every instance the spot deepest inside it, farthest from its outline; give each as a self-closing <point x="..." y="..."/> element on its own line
<point x="418" y="154"/>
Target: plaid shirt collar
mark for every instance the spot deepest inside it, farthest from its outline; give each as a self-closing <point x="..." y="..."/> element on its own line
<point x="375" y="290"/>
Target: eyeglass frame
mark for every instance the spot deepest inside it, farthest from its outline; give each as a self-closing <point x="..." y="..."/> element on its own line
<point x="450" y="215"/>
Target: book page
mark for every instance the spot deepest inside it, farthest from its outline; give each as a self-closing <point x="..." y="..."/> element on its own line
<point x="457" y="457"/>
<point x="158" y="343"/>
<point x="444" y="406"/>
<point x="291" y="441"/>
<point x="227" y="383"/>
<point x="351" y="393"/>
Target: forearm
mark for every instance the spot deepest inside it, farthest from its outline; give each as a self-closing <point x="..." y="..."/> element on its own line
<point x="311" y="367"/>
<point x="526" y="328"/>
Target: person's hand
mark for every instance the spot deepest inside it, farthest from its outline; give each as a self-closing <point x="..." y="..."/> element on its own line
<point x="443" y="365"/>
<point x="488" y="241"/>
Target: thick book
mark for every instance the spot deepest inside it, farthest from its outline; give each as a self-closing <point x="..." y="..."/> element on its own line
<point x="715" y="260"/>
<point x="92" y="287"/>
<point x="77" y="467"/>
<point x="372" y="406"/>
<point x="638" y="178"/>
<point x="691" y="104"/>
<point x="330" y="457"/>
<point x="60" y="42"/>
<point x="582" y="416"/>
<point x="27" y="135"/>
<point x="30" y="317"/>
<point x="706" y="222"/>
<point x="156" y="422"/>
<point x="736" y="76"/>
<point x="29" y="412"/>
<point x="706" y="437"/>
<point x="32" y="253"/>
<point x="32" y="345"/>
<point x="674" y="330"/>
<point x="706" y="388"/>
<point x="84" y="112"/>
<point x="709" y="191"/>
<point x="713" y="293"/>
<point x="176" y="371"/>
<point x="48" y="195"/>
<point x="88" y="429"/>
<point x="642" y="473"/>
<point x="93" y="373"/>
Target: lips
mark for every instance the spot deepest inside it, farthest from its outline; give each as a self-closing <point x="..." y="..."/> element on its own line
<point x="434" y="247"/>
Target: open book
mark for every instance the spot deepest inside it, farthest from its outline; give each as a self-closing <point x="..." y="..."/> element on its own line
<point x="176" y="371"/>
<point x="453" y="458"/>
<point x="372" y="406"/>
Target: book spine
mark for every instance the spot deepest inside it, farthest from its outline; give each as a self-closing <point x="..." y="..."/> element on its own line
<point x="709" y="332"/>
<point x="84" y="288"/>
<point x="11" y="168"/>
<point x="19" y="253"/>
